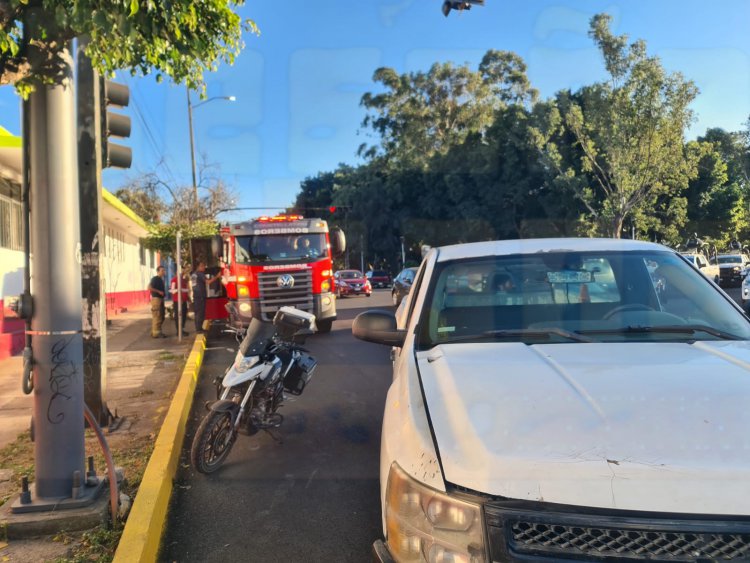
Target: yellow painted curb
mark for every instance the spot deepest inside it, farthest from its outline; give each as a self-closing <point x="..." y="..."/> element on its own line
<point x="141" y="537"/>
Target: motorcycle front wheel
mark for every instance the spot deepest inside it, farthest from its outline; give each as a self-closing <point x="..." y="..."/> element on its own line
<point x="213" y="441"/>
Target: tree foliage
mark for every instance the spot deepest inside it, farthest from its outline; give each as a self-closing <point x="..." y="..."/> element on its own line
<point x="181" y="39"/>
<point x="170" y="207"/>
<point x="630" y="130"/>
<point x="423" y="113"/>
<point x="465" y="154"/>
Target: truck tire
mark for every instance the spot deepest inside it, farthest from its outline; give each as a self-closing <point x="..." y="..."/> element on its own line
<point x="325" y="326"/>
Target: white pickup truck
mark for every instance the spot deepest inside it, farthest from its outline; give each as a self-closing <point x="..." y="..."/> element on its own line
<point x="564" y="400"/>
<point x="704" y="266"/>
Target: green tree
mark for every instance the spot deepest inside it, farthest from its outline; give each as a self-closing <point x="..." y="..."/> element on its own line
<point x="169" y="207"/>
<point x="142" y="196"/>
<point x="716" y="197"/>
<point x="630" y="130"/>
<point x="420" y="114"/>
<point x="180" y="38"/>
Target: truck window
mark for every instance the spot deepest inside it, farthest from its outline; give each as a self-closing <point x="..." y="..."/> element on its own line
<point x="306" y="247"/>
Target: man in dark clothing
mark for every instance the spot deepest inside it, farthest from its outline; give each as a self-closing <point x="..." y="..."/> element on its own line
<point x="157" y="291"/>
<point x="200" y="291"/>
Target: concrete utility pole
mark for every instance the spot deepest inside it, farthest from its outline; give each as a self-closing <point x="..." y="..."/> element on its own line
<point x="56" y="324"/>
<point x="89" y="105"/>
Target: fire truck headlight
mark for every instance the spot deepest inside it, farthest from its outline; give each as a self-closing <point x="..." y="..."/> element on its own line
<point x="245" y="307"/>
<point x="243" y="291"/>
<point x="325" y="286"/>
<point x="326" y="302"/>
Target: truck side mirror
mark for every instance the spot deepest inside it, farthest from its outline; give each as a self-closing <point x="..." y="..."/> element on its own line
<point x="338" y="241"/>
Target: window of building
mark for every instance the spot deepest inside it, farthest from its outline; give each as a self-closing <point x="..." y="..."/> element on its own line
<point x="11" y="223"/>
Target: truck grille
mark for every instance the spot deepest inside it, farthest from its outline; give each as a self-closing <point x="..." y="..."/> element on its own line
<point x="607" y="535"/>
<point x="272" y="296"/>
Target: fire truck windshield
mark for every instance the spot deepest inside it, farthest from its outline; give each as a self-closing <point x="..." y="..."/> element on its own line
<point x="279" y="248"/>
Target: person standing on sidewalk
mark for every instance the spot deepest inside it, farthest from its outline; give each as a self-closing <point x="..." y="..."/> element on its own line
<point x="184" y="289"/>
<point x="158" y="291"/>
<point x="200" y="292"/>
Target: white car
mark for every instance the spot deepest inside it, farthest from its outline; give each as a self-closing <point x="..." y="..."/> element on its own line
<point x="732" y="268"/>
<point x="587" y="401"/>
<point x="699" y="260"/>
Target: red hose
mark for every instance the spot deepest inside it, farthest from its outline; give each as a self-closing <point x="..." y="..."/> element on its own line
<point x="114" y="496"/>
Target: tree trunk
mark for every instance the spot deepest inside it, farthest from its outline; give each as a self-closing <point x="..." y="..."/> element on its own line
<point x="617" y="223"/>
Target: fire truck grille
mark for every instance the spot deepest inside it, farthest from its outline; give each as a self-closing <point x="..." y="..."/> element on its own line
<point x="276" y="291"/>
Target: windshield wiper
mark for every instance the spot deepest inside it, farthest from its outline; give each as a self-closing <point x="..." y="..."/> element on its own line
<point x="669" y="329"/>
<point x="515" y="333"/>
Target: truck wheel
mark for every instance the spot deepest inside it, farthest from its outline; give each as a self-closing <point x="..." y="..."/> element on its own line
<point x="325" y="326"/>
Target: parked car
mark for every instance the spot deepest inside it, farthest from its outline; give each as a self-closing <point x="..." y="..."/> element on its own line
<point x="745" y="293"/>
<point x="402" y="284"/>
<point x="704" y="266"/>
<point x="351" y="282"/>
<point x="575" y="413"/>
<point x="379" y="278"/>
<point x="732" y="268"/>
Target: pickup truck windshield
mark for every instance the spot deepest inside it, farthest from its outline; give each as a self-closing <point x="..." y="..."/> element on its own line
<point x="279" y="248"/>
<point x="605" y="296"/>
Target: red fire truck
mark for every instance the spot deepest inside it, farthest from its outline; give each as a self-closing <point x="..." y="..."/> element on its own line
<point x="271" y="262"/>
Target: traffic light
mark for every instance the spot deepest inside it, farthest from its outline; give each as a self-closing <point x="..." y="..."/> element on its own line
<point x="332" y="209"/>
<point x="114" y="124"/>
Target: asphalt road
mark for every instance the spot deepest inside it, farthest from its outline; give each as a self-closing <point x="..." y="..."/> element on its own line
<point x="312" y="497"/>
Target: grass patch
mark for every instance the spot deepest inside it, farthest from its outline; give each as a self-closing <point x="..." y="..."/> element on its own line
<point x="18" y="457"/>
<point x="95" y="546"/>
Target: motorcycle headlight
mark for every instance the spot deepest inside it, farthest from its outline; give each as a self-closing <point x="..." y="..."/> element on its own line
<point x="244" y="363"/>
<point x="423" y="524"/>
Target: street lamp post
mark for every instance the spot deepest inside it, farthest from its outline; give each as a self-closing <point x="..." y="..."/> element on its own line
<point x="191" y="107"/>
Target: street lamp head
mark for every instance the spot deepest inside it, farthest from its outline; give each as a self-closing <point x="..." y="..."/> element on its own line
<point x="231" y="98"/>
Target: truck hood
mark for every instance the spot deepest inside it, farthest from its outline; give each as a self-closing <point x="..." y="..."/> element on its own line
<point x="656" y="427"/>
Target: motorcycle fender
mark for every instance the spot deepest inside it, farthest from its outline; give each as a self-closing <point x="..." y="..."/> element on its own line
<point x="226" y="406"/>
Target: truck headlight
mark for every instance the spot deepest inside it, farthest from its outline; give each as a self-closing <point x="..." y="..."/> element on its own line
<point x="325" y="286"/>
<point x="243" y="290"/>
<point x="423" y="524"/>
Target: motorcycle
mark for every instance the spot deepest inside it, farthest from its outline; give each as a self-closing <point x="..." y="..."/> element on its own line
<point x="269" y="363"/>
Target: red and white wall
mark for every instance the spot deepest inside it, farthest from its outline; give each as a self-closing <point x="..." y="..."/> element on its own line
<point x="126" y="267"/>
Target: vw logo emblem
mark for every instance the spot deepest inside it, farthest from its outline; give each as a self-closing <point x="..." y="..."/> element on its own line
<point x="285" y="280"/>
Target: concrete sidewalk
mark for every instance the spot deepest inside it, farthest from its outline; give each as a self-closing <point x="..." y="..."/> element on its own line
<point x="137" y="370"/>
<point x="143" y="374"/>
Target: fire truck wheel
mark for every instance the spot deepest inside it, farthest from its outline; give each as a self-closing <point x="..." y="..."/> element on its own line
<point x="325" y="326"/>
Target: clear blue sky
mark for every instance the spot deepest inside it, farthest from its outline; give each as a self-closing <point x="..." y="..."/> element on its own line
<point x="298" y="85"/>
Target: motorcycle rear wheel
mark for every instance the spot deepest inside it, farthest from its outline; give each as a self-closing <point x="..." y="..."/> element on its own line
<point x="213" y="441"/>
